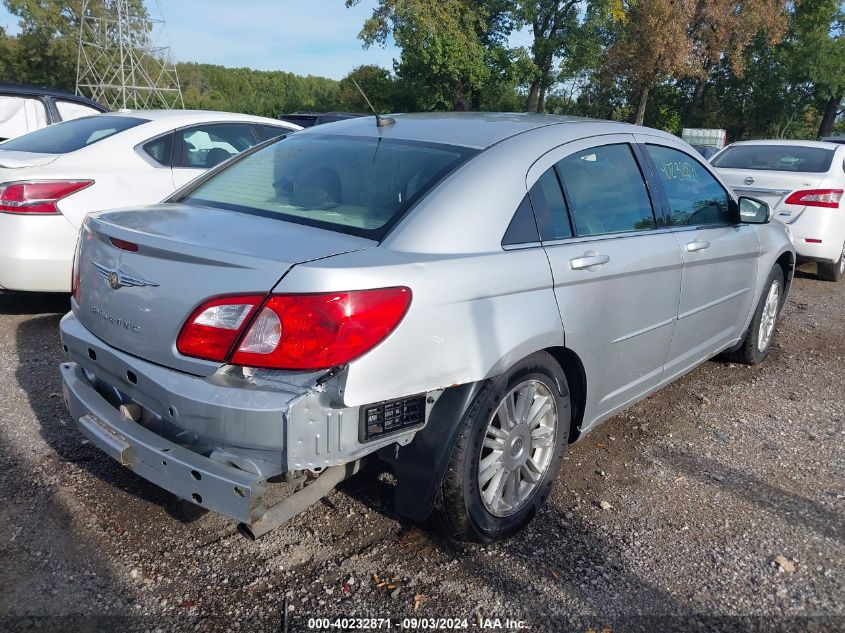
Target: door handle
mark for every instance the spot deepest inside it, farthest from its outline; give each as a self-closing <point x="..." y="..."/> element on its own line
<point x="590" y="260"/>
<point x="697" y="245"/>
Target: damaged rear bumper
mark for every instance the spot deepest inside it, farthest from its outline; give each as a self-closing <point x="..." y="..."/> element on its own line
<point x="211" y="484"/>
<point x="211" y="440"/>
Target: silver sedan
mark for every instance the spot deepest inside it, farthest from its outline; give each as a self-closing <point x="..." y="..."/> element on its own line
<point x="461" y="295"/>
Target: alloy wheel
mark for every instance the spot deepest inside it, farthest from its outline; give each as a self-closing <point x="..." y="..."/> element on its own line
<point x="769" y="317"/>
<point x="518" y="448"/>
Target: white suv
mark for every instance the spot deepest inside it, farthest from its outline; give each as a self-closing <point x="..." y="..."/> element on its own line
<point x="803" y="182"/>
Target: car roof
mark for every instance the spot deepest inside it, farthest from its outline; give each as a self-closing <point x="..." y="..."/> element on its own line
<point x="190" y="116"/>
<point x="37" y="91"/>
<point x="478" y="130"/>
<point x="821" y="144"/>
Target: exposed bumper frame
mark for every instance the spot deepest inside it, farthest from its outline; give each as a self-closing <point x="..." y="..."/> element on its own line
<point x="208" y="483"/>
<point x="213" y="440"/>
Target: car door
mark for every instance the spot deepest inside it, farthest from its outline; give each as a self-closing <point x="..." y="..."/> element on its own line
<point x="616" y="269"/>
<point x="198" y="148"/>
<point x="720" y="254"/>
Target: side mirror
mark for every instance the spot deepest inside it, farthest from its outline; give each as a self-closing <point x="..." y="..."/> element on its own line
<point x="753" y="211"/>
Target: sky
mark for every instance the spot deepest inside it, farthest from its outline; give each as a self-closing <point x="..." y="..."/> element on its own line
<point x="307" y="37"/>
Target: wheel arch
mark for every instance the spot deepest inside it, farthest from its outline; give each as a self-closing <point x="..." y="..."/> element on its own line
<point x="419" y="466"/>
<point x="786" y="261"/>
<point x="576" y="377"/>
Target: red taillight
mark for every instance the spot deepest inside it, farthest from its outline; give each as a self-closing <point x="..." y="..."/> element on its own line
<point x="214" y="327"/>
<point x="84" y="234"/>
<point x="37" y="197"/>
<point x="298" y="332"/>
<point x="828" y="198"/>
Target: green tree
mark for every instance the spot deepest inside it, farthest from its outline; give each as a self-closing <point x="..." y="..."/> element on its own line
<point x="553" y="24"/>
<point x="376" y="82"/>
<point x="45" y="52"/>
<point x="722" y="30"/>
<point x="816" y="54"/>
<point x="443" y="56"/>
<point x="653" y="44"/>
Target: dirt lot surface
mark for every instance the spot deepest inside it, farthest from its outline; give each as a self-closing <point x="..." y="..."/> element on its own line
<point x="726" y="496"/>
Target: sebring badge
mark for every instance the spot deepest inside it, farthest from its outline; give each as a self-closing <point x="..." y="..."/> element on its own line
<point x="119" y="279"/>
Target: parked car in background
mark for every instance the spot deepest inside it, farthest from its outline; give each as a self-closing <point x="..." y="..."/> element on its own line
<point x="803" y="183"/>
<point x="460" y="294"/>
<point x="708" y="151"/>
<point x="838" y="137"/>
<point x="51" y="178"/>
<point x="25" y="108"/>
<point x="310" y="119"/>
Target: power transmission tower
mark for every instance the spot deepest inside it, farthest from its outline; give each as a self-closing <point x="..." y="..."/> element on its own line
<point x="121" y="63"/>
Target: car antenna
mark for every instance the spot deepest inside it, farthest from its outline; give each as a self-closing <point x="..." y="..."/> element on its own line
<point x="381" y="121"/>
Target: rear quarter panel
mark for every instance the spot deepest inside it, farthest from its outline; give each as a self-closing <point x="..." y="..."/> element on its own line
<point x="471" y="316"/>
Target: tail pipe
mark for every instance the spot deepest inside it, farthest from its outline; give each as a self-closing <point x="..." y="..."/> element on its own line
<point x="298" y="502"/>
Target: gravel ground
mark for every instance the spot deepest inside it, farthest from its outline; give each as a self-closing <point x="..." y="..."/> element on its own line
<point x="726" y="495"/>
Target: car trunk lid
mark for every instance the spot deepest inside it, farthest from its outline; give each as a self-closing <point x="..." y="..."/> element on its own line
<point x="12" y="163"/>
<point x="185" y="255"/>
<point x="772" y="187"/>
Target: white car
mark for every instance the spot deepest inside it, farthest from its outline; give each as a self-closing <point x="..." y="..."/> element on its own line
<point x="52" y="178"/>
<point x="803" y="183"/>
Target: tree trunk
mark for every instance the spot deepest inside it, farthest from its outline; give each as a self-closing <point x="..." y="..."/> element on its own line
<point x="533" y="96"/>
<point x="695" y="104"/>
<point x="641" y="105"/>
<point x="829" y="118"/>
<point x="541" y="98"/>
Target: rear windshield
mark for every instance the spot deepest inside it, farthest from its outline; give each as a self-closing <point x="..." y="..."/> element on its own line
<point x="776" y="158"/>
<point x="355" y="185"/>
<point x="71" y="135"/>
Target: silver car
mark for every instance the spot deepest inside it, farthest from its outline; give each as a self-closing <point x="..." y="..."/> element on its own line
<point x="460" y="295"/>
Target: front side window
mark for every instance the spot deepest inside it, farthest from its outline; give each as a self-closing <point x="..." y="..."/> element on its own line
<point x="814" y="160"/>
<point x="266" y="132"/>
<point x="355" y="185"/>
<point x="206" y="146"/>
<point x="606" y="191"/>
<point x="695" y="196"/>
<point x="70" y="136"/>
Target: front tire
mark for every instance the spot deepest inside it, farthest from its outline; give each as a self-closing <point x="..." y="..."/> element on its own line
<point x="508" y="452"/>
<point x="834" y="271"/>
<point x="760" y="336"/>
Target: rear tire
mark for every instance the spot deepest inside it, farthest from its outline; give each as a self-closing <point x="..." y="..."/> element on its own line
<point x="760" y="336"/>
<point x="518" y="428"/>
<point x="834" y="271"/>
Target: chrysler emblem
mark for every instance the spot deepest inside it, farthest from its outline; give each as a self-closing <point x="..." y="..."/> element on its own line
<point x="116" y="278"/>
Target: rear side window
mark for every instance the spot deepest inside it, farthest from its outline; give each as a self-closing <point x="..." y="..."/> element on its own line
<point x="814" y="160"/>
<point x="355" y="185"/>
<point x="606" y="191"/>
<point x="70" y="110"/>
<point x="549" y="207"/>
<point x="160" y="149"/>
<point x="72" y="135"/>
<point x="206" y="146"/>
<point x="523" y="228"/>
<point x="695" y="197"/>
